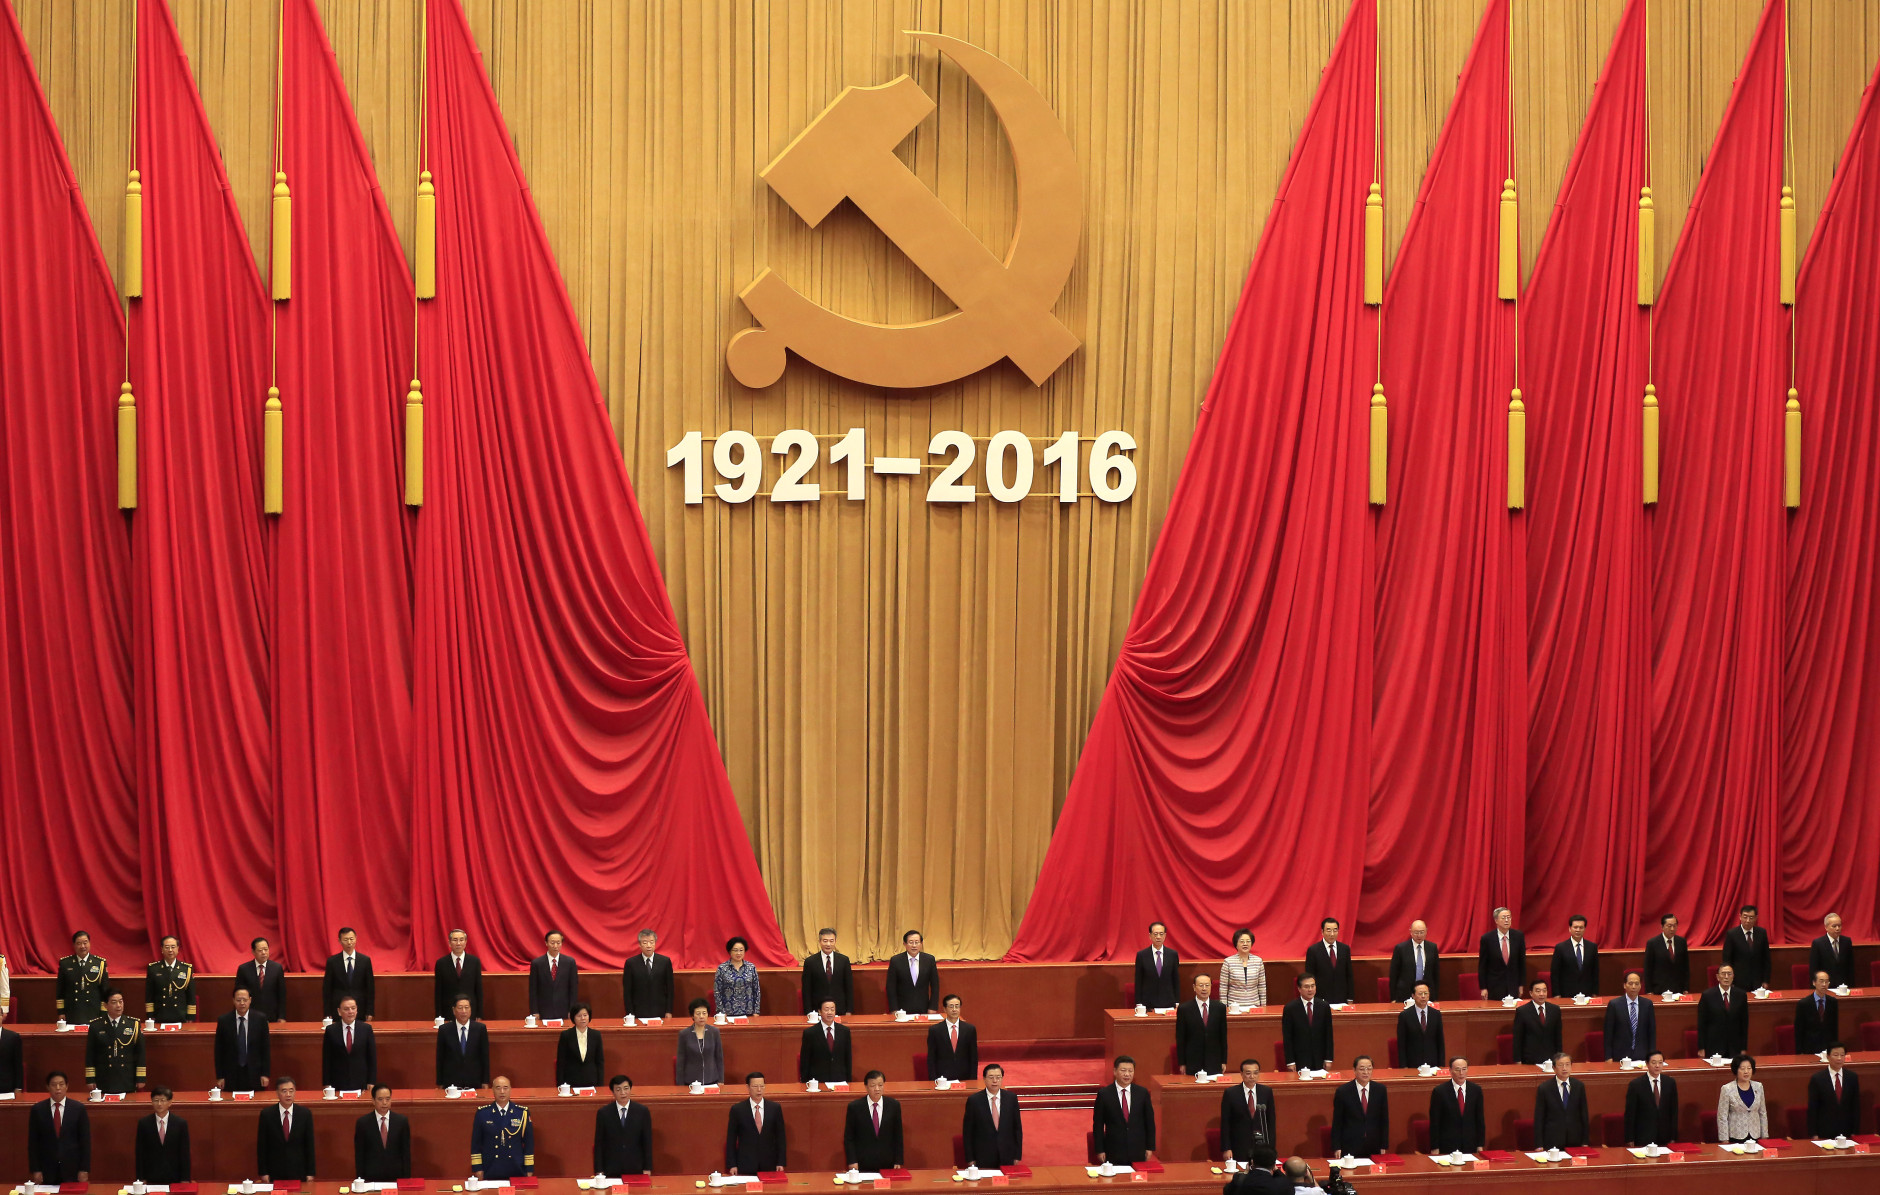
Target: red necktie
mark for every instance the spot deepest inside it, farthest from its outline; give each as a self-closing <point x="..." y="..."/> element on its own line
<point x="385" y="1132"/>
<point x="1462" y="1100"/>
<point x="1308" y="1012"/>
<point x="1125" y="1103"/>
<point x="831" y="1033"/>
<point x="459" y="966"/>
<point x="877" y="1111"/>
<point x="161" y="1126"/>
<point x="349" y="1039"/>
<point x="1542" y="1009"/>
<point x="1837" y="1086"/>
<point x="1423" y="1019"/>
<point x="58" y="1117"/>
<point x="953" y="1032"/>
<point x="829" y="967"/>
<point x="551" y="966"/>
<point x="1364" y="1100"/>
<point x="994" y="1101"/>
<point x="287" y="1123"/>
<point x="1504" y="950"/>
<point x="757" y="1117"/>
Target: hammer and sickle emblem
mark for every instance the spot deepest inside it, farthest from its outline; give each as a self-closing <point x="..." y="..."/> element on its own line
<point x="1004" y="306"/>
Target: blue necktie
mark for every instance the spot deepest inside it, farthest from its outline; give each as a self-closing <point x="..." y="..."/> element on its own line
<point x="1419" y="954"/>
<point x="463" y="1039"/>
<point x="241" y="1041"/>
<point x="1634" y="1004"/>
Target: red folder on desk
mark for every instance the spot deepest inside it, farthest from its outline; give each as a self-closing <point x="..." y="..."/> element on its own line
<point x="1494" y="1155"/>
<point x="411" y="1184"/>
<point x="772" y="1176"/>
<point x="280" y="1184"/>
<point x="521" y="1182"/>
<point x="634" y="1180"/>
<point x="1150" y="1167"/>
<point x="902" y="1175"/>
<point x="1017" y="1170"/>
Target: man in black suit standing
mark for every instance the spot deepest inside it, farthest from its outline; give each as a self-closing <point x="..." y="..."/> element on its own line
<point x="162" y="1149"/>
<point x="646" y="981"/>
<point x="827" y="976"/>
<point x="1536" y="1029"/>
<point x="349" y="1055"/>
<point x="992" y="1132"/>
<point x="1631" y="1022"/>
<point x="58" y="1137"/>
<point x="1247" y="1115"/>
<point x="1457" y="1122"/>
<point x="1158" y="971"/>
<point x="754" y="1138"/>
<point x="1501" y="961"/>
<point x="1560" y="1115"/>
<point x="1420" y="1032"/>
<point x="348" y="973"/>
<point x="1817" y="1018"/>
<point x="382" y="1141"/>
<point x="458" y="973"/>
<point x="284" y="1138"/>
<point x="1834" y="1098"/>
<point x="264" y="981"/>
<point x="1723" y="1017"/>
<point x="242" y="1057"/>
<point x="623" y="1133"/>
<point x="952" y="1045"/>
<point x="463" y="1050"/>
<point x="1201" y="1032"/>
<point x="1833" y="952"/>
<point x="913" y="979"/>
<point x="1360" y="1115"/>
<point x="1576" y="962"/>
<point x="1416" y="958"/>
<point x="1306" y="1028"/>
<point x="871" y="1134"/>
<point x="1667" y="958"/>
<point x="553" y="980"/>
<point x="1329" y="961"/>
<point x="1651" y="1105"/>
<point x="1746" y="948"/>
<point x="825" y="1055"/>
<point x="1123" y="1118"/>
<point x="12" y="1062"/>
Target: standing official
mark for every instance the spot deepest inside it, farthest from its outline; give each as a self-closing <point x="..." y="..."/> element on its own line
<point x="114" y="1049"/>
<point x="1123" y="1119"/>
<point x="1248" y="1119"/>
<point x="382" y="1141"/>
<point x="1746" y="949"/>
<point x="1201" y="1032"/>
<point x="1651" y="1105"/>
<point x="1537" y="1032"/>
<point x="1329" y="961"/>
<point x="826" y="976"/>
<point x="1576" y="962"/>
<point x="871" y="1132"/>
<point x="755" y="1141"/>
<point x="58" y="1137"/>
<point x="1817" y="1018"/>
<point x="553" y="980"/>
<point x="241" y="1047"/>
<point x="458" y="973"/>
<point x="1667" y="958"/>
<point x="162" y="1148"/>
<point x="913" y="978"/>
<point x="1561" y="1119"/>
<point x="463" y="1050"/>
<point x="1360" y="1114"/>
<point x="581" y="1053"/>
<point x="1834" y="1098"/>
<point x="264" y="981"/>
<point x="349" y="1053"/>
<point x="623" y="1133"/>
<point x="992" y="1132"/>
<point x="502" y="1137"/>
<point x="1501" y="961"/>
<point x="1158" y="971"/>
<point x="1457" y="1122"/>
<point x="1723" y="1017"/>
<point x="284" y="1138"/>
<point x="348" y="974"/>
<point x="952" y="1045"/>
<point x="1413" y="961"/>
<point x="1306" y="1028"/>
<point x="646" y="980"/>
<point x="1420" y="1032"/>
<point x="825" y="1054"/>
<point x="1833" y="952"/>
<point x="12" y="1062"/>
<point x="170" y="986"/>
<point x="83" y="977"/>
<point x="1631" y="1022"/>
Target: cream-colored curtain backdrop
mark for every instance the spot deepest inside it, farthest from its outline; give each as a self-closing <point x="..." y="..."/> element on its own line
<point x="901" y="690"/>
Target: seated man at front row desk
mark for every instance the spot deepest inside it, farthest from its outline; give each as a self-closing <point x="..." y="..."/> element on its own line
<point x="1122" y="1118"/>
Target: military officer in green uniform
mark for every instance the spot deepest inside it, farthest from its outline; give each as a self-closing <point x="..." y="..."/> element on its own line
<point x="114" y="1049"/>
<point x="170" y="987"/>
<point x="82" y="980"/>
<point x="502" y="1138"/>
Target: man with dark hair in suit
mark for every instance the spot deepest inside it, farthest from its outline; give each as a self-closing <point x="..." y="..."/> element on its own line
<point x="553" y="980"/>
<point x="1651" y="1105"/>
<point x="913" y="978"/>
<point x="1415" y="959"/>
<point x="1833" y="952"/>
<point x="1158" y="971"/>
<point x="264" y="981"/>
<point x="827" y="976"/>
<point x="623" y="1133"/>
<point x="1420" y="1032"/>
<point x="1123" y="1118"/>
<point x="58" y="1137"/>
<point x="1360" y="1114"/>
<point x="382" y="1141"/>
<point x="1834" y="1098"/>
<point x="871" y="1133"/>
<point x="162" y="1149"/>
<point x="1536" y="1029"/>
<point x="458" y="973"/>
<point x="349" y="1054"/>
<point x="1457" y="1122"/>
<point x="1667" y="958"/>
<point x="1501" y="961"/>
<point x="242" y="1057"/>
<point x="755" y="1142"/>
<point x="952" y="1045"/>
<point x="348" y="973"/>
<point x="463" y="1050"/>
<point x="1248" y="1120"/>
<point x="1201" y="1032"/>
<point x="1560" y="1114"/>
<point x="1329" y="961"/>
<point x="1723" y="1017"/>
<point x="1817" y="1018"/>
<point x="1631" y="1022"/>
<point x="992" y="1131"/>
<point x="1306" y="1028"/>
<point x="284" y="1138"/>
<point x="1746" y="948"/>
<point x="1576" y="962"/>
<point x="646" y="980"/>
<point x="825" y="1055"/>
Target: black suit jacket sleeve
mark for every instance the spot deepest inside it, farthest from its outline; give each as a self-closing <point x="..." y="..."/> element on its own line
<point x="12" y="1066"/>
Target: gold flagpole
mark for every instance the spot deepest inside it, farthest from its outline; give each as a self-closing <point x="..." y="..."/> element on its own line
<point x="133" y="288"/>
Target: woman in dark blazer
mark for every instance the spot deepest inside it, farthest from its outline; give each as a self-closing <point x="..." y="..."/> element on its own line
<point x="572" y="1066"/>
<point x="701" y="1058"/>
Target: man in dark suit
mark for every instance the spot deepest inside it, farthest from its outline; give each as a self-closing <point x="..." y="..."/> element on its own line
<point x="992" y="1132"/>
<point x="1723" y="1017"/>
<point x="952" y="1045"/>
<point x="1651" y="1105"/>
<point x="382" y="1141"/>
<point x="1667" y="958"/>
<point x="349" y="1055"/>
<point x="1817" y="1018"/>
<point x="1576" y="962"/>
<point x="463" y="1050"/>
<point x="1248" y="1119"/>
<point x="1360" y="1115"/>
<point x="1329" y="961"/>
<point x="646" y="980"/>
<point x="1420" y="1032"/>
<point x="264" y="981"/>
<point x="58" y="1137"/>
<point x="1631" y="1022"/>
<point x="1158" y="971"/>
<point x="1412" y="959"/>
<point x="1834" y="1098"/>
<point x="1261" y="1176"/>
<point x="1457" y="1122"/>
<point x="1560" y="1115"/>
<point x="913" y="978"/>
<point x="284" y="1138"/>
<point x="1305" y="1028"/>
<point x="162" y="1150"/>
<point x="1746" y="948"/>
<point x="623" y="1133"/>
<point x="1536" y="1029"/>
<point x="754" y="1138"/>
<point x="242" y="1057"/>
<point x="1201" y="1032"/>
<point x="871" y="1134"/>
<point x="458" y="973"/>
<point x="826" y="976"/>
<point x="12" y="1062"/>
<point x="553" y="980"/>
<point x="1833" y="952"/>
<point x="1501" y="960"/>
<point x="1123" y="1118"/>
<point x="348" y="973"/>
<point x="825" y="1055"/>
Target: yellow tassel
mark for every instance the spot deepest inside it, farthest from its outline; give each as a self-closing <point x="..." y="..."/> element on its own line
<point x="1788" y="246"/>
<point x="427" y="238"/>
<point x="1651" y="445"/>
<point x="271" y="453"/>
<point x="282" y="275"/>
<point x="127" y="448"/>
<point x="1517" y="450"/>
<point x="134" y="240"/>
<point x="1792" y="451"/>
<point x="1647" y="248"/>
<point x="1380" y="444"/>
<point x="1510" y="261"/>
<point x="414" y="445"/>
<point x="1374" y="248"/>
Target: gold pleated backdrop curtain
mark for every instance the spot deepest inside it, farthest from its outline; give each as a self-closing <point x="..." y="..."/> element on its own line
<point x="901" y="690"/>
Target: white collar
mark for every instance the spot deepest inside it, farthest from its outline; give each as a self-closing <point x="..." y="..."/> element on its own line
<point x="623" y="1107"/>
<point x="458" y="957"/>
<point x="502" y="1109"/>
